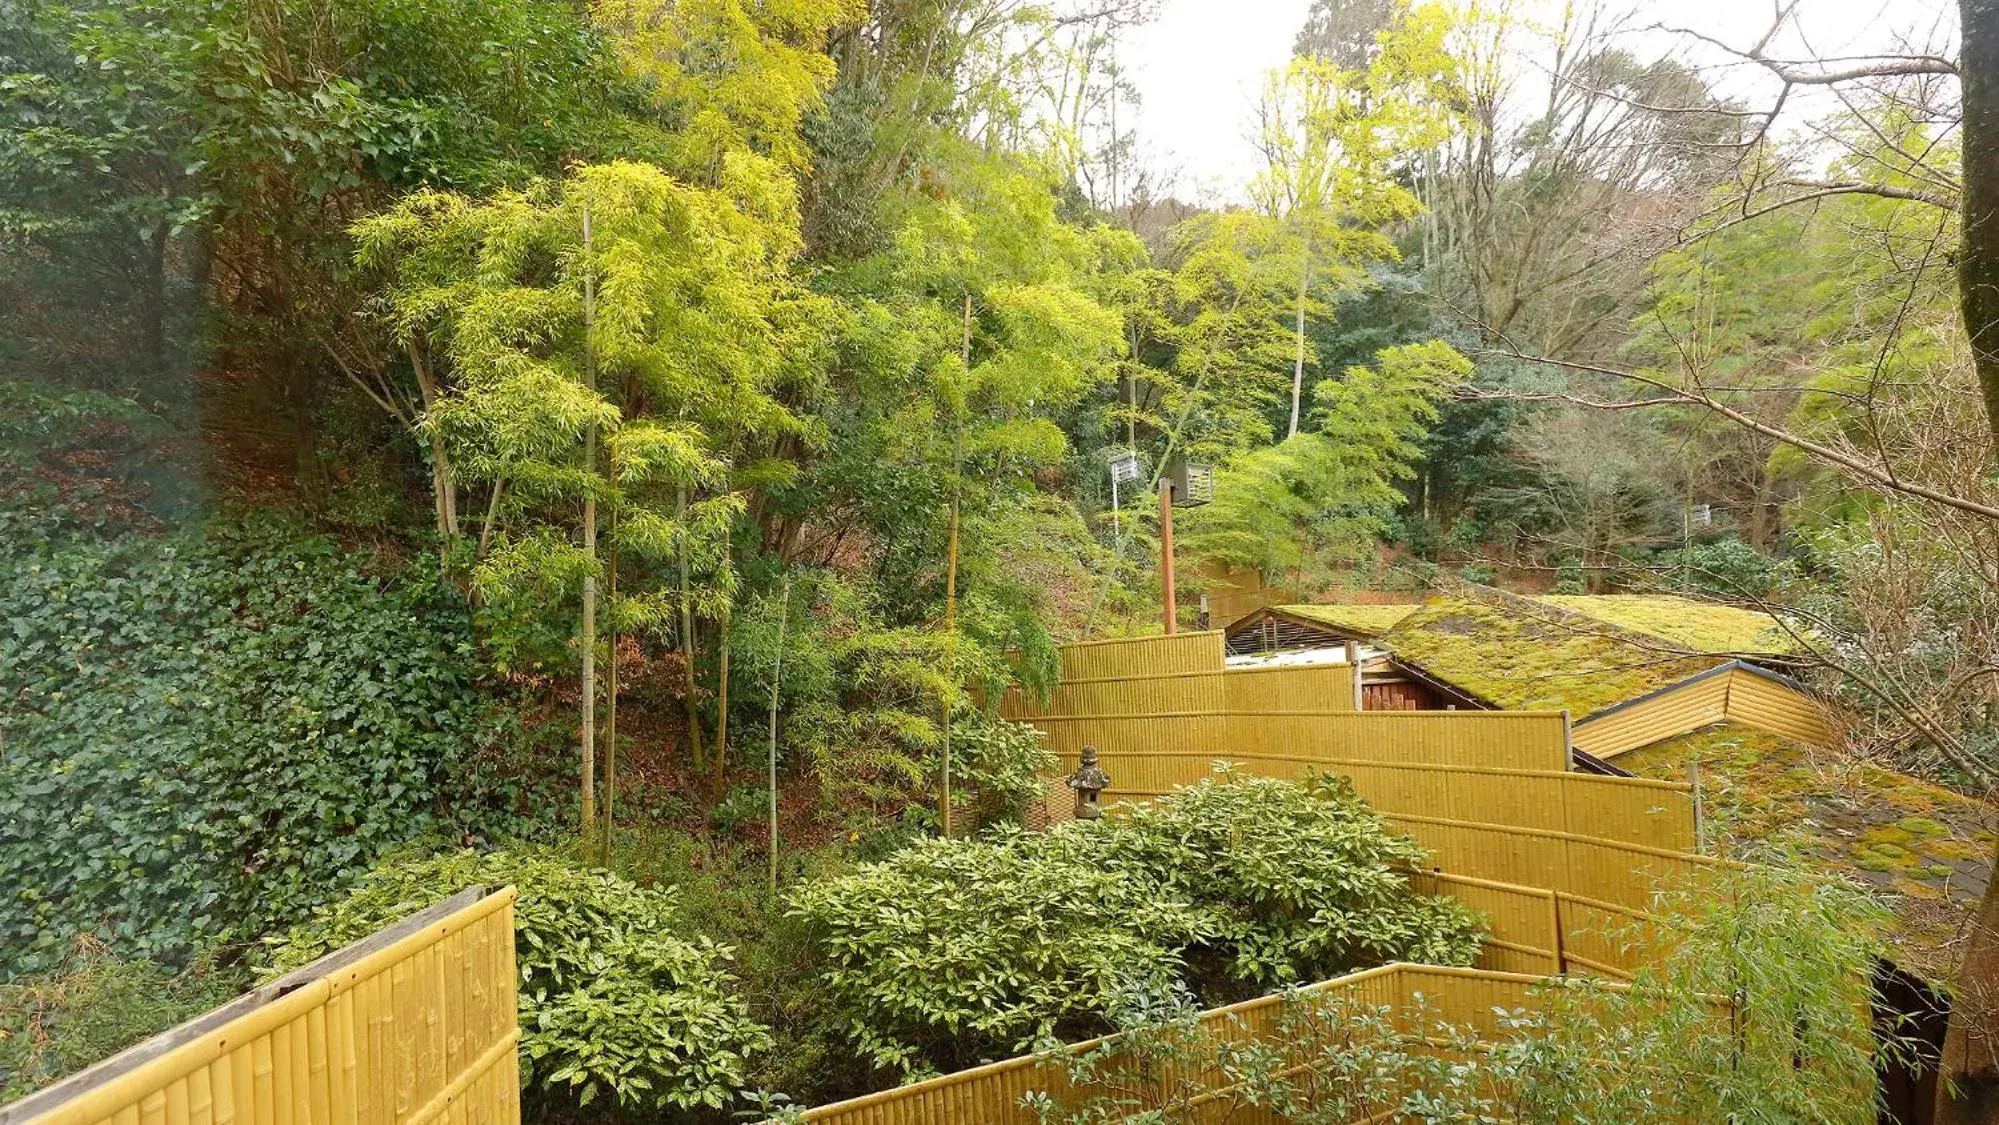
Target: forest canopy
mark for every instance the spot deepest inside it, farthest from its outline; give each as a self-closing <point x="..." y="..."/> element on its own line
<point x="447" y="441"/>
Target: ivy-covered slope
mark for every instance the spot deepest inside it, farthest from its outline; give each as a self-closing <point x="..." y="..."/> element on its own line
<point x="204" y="736"/>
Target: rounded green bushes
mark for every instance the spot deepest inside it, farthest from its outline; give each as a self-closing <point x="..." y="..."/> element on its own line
<point x="955" y="950"/>
<point x="614" y="1002"/>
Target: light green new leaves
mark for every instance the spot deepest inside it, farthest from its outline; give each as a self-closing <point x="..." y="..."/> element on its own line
<point x="696" y="334"/>
<point x="1328" y="488"/>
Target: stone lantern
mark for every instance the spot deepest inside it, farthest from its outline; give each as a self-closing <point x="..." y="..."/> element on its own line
<point x="1089" y="781"/>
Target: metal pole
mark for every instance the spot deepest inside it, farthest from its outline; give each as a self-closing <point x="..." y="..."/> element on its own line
<point x="1166" y="556"/>
<point x="1117" y="526"/>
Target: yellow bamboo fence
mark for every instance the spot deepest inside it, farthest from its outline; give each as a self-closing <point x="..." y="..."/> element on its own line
<point x="1171" y="702"/>
<point x="991" y="1094"/>
<point x="1729" y="693"/>
<point x="413" y="1026"/>
<point x="1563" y="866"/>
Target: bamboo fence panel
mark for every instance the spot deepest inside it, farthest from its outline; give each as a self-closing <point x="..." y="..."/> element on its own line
<point x="1603" y="938"/>
<point x="1148" y="746"/>
<point x="1611" y="871"/>
<point x="1121" y="695"/>
<point x="413" y="1026"/>
<point x="1657" y="814"/>
<point x="1523" y="921"/>
<point x="1144" y="656"/>
<point x="1523" y="740"/>
<point x="991" y="1094"/>
<point x="1307" y="687"/>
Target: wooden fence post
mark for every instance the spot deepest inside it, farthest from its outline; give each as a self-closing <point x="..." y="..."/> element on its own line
<point x="1353" y="665"/>
<point x="1555" y="932"/>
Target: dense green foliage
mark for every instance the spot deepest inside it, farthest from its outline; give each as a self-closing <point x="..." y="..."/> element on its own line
<point x="954" y="949"/>
<point x="614" y="1001"/>
<point x="206" y="735"/>
<point x="787" y="342"/>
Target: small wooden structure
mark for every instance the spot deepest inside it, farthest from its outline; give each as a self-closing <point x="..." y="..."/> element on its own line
<point x="1734" y="692"/>
<point x="1389" y="684"/>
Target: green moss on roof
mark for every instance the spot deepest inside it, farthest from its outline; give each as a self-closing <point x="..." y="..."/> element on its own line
<point x="1517" y="659"/>
<point x="1927" y="849"/>
<point x="1364" y="619"/>
<point x="1696" y="625"/>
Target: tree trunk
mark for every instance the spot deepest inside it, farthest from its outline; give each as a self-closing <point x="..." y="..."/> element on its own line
<point x="1969" y="1087"/>
<point x="1298" y="355"/>
<point x="611" y="692"/>
<point x="153" y="303"/>
<point x="1968" y="1090"/>
<point x="1978" y="264"/>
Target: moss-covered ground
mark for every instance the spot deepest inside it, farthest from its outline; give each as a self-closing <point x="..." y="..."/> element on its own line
<point x="1926" y="848"/>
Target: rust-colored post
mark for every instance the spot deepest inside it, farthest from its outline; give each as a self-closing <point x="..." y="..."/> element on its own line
<point x="1166" y="556"/>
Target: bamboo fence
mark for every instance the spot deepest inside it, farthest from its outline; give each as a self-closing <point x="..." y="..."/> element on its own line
<point x="992" y="1094"/>
<point x="415" y="1025"/>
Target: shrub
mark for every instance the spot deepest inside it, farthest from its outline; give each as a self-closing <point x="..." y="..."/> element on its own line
<point x="612" y="1001"/>
<point x="1005" y="763"/>
<point x="955" y="949"/>
<point x="207" y="735"/>
<point x="1301" y="880"/>
<point x="952" y="948"/>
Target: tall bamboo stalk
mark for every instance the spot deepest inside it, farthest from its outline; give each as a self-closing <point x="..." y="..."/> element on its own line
<point x="589" y="686"/>
<point x="951" y="591"/>
<point x="687" y="645"/>
<point x="611" y="693"/>
<point x="1298" y="350"/>
<point x="776" y="682"/>
<point x="722" y="705"/>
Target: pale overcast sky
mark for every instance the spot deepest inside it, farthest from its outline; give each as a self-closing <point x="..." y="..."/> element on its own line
<point x="1199" y="65"/>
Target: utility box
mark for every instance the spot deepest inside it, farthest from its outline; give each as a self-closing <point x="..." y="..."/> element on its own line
<point x="1193" y="483"/>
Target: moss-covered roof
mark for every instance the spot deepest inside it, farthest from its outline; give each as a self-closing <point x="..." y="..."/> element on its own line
<point x="1519" y="659"/>
<point x="1366" y="620"/>
<point x="1928" y="849"/>
<point x="1695" y="625"/>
